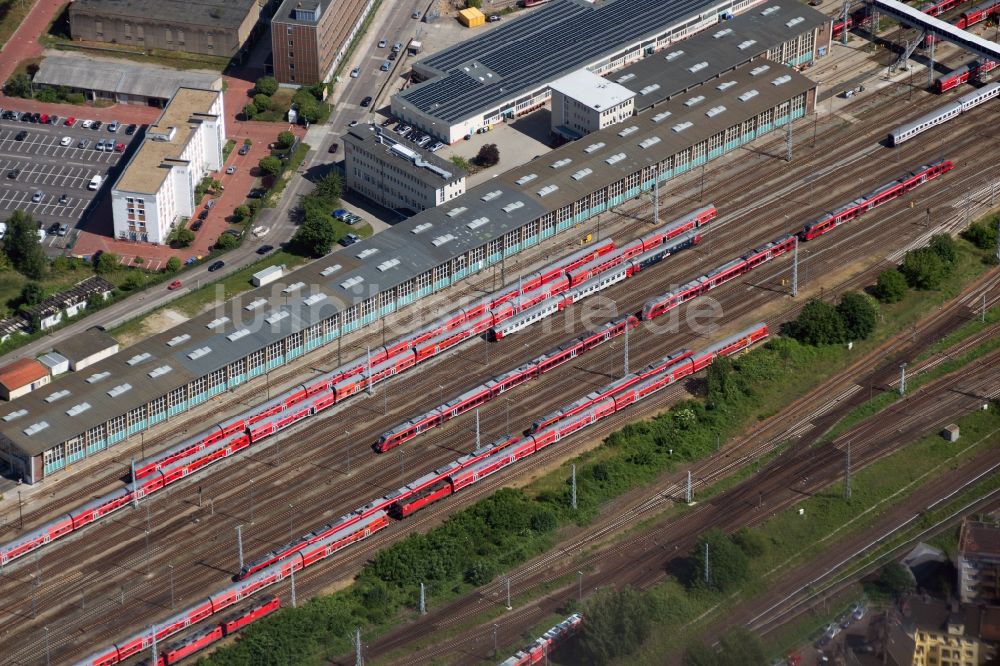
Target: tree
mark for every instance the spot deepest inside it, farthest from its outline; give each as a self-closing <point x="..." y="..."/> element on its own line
<point x="895" y="579"/>
<point x="727" y="563"/>
<point x="819" y="323"/>
<point x="226" y="242"/>
<point x="923" y="268"/>
<point x="890" y="286"/>
<point x="329" y="188"/>
<point x="750" y="542"/>
<point x="285" y="139"/>
<point x="262" y="103"/>
<point x="859" y="315"/>
<point x="722" y="384"/>
<point x="18" y="85"/>
<point x="241" y="212"/>
<point x="134" y="281"/>
<point x="31" y="294"/>
<point x="314" y="237"/>
<point x="270" y="165"/>
<point x="945" y="247"/>
<point x="618" y="621"/>
<point x="184" y="237"/>
<point x="249" y="111"/>
<point x="309" y="107"/>
<point x="488" y="155"/>
<point x="737" y="647"/>
<point x="982" y="234"/>
<point x="22" y="247"/>
<point x="461" y="162"/>
<point x="107" y="262"/>
<point x="266" y="85"/>
<point x="474" y="4"/>
<point x="173" y="264"/>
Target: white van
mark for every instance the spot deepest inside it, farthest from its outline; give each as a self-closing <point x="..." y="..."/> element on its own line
<point x="95" y="182"/>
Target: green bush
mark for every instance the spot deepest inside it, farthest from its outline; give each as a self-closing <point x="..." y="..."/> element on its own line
<point x="982" y="234"/>
<point x="727" y="563"/>
<point x="266" y="85"/>
<point x="924" y="268"/>
<point x="262" y="103"/>
<point x="618" y="621"/>
<point x="249" y="111"/>
<point x="890" y="286"/>
<point x="285" y="139"/>
<point x="173" y="264"/>
<point x="818" y="323"/>
<point x="859" y="315"/>
<point x="270" y="165"/>
<point x="226" y="242"/>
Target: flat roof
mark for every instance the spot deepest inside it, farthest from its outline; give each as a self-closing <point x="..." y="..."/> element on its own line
<point x="218" y="13"/>
<point x="351" y="275"/>
<point x="577" y="168"/>
<point x="120" y="76"/>
<point x="150" y="165"/>
<point x="732" y="43"/>
<point x="422" y="165"/>
<point x="523" y="54"/>
<point x="298" y="12"/>
<point x="591" y="90"/>
<point x="86" y="343"/>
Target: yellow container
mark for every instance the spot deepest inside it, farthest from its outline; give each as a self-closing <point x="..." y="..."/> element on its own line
<point x="471" y="17"/>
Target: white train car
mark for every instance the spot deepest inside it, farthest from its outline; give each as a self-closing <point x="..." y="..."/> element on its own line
<point x="944" y="114"/>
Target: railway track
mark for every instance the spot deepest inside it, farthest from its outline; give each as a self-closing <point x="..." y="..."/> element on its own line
<point x="127" y="534"/>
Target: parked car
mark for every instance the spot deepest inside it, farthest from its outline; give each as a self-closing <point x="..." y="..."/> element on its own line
<point x="424" y="140"/>
<point x="14" y="173"/>
<point x="352" y="219"/>
<point x="356" y="72"/>
<point x="387" y="122"/>
<point x="349" y="239"/>
<point x="256" y="193"/>
<point x="391" y="56"/>
<point x="83" y="143"/>
<point x="264" y="249"/>
<point x="216" y="265"/>
<point x="63" y="199"/>
<point x="493" y="18"/>
<point x="196" y="226"/>
<point x="37" y="196"/>
<point x="130" y="130"/>
<point x="66" y="140"/>
<point x="415" y="14"/>
<point x="113" y="126"/>
<point x="176" y="284"/>
<point x="231" y="169"/>
<point x="99" y="145"/>
<point x="53" y="120"/>
<point x="210" y="204"/>
<point x="405" y="132"/>
<point x="366" y="101"/>
<point x="385" y="67"/>
<point x="97" y="125"/>
<point x="244" y="149"/>
<point x="203" y="214"/>
<point x="333" y="147"/>
<point x="21" y="136"/>
<point x="397" y="47"/>
<point x="44" y="119"/>
<point x="340" y="213"/>
<point x="382" y="43"/>
<point x="63" y="229"/>
<point x="353" y="123"/>
<point x="436" y="146"/>
<point x="70" y="121"/>
<point x="53" y="229"/>
<point x="119" y="147"/>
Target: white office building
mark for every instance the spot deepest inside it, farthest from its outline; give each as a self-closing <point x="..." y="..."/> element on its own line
<point x="583" y="102"/>
<point x="156" y="188"/>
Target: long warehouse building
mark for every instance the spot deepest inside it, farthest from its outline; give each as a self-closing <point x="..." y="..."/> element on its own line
<point x="197" y="361"/>
<point x="507" y="71"/>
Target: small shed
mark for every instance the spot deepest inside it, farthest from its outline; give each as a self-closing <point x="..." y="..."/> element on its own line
<point x="21" y="377"/>
<point x="951" y="432"/>
<point x="471" y="17"/>
<point x="267" y="276"/>
<point x="55" y="362"/>
<point x="88" y="347"/>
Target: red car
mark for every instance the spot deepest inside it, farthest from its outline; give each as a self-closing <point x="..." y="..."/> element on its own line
<point x="44" y="119"/>
<point x="176" y="284"/>
<point x="70" y="121"/>
<point x="120" y="148"/>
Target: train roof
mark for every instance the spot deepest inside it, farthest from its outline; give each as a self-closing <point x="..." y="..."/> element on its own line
<point x="733" y="338"/>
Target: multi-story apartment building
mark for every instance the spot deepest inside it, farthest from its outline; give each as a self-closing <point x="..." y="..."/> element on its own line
<point x="310" y="37"/>
<point x="156" y="188"/>
<point x="978" y="563"/>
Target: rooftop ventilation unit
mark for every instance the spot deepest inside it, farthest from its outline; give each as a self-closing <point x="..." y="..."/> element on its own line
<point x="651" y="141"/>
<point x="614" y="159"/>
<point x="441" y="240"/>
<point x="695" y="100"/>
<point x="456" y="211"/>
<point x="490" y="196"/>
<point x="277" y="316"/>
<point x="162" y="370"/>
<point x="254" y="304"/>
<point x="78" y="409"/>
<point x="682" y="126"/>
<point x="236" y="335"/>
<point x="478" y="222"/>
<point x="674" y="55"/>
<point x="139" y="358"/>
<point x="524" y="180"/>
<point x="714" y="111"/>
<point x="698" y="67"/>
<point x="35" y="428"/>
<point x="96" y="377"/>
<point x="547" y="190"/>
<point x="351" y="281"/>
<point x="15" y="415"/>
<point x="770" y="10"/>
<point x="198" y="353"/>
<point x="178" y="339"/>
<point x="561" y="163"/>
<point x="511" y="207"/>
<point x="594" y="147"/>
<point x="215" y="323"/>
<point x="661" y="116"/>
<point x="582" y="173"/>
<point x="314" y="299"/>
<point x="330" y="270"/>
<point x="748" y="95"/>
<point x="57" y="395"/>
<point x="628" y="130"/>
<point x="367" y="252"/>
<point x="794" y="22"/>
<point x="126" y="387"/>
<point x="420" y="228"/>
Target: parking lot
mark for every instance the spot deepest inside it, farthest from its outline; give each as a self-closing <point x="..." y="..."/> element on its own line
<point x="47" y="172"/>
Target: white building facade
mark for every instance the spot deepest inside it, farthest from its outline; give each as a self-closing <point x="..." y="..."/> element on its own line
<point x="156" y="188"/>
<point x="583" y="102"/>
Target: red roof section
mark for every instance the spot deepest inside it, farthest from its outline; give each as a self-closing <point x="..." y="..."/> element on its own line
<point x="979" y="539"/>
<point x="21" y="373"/>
